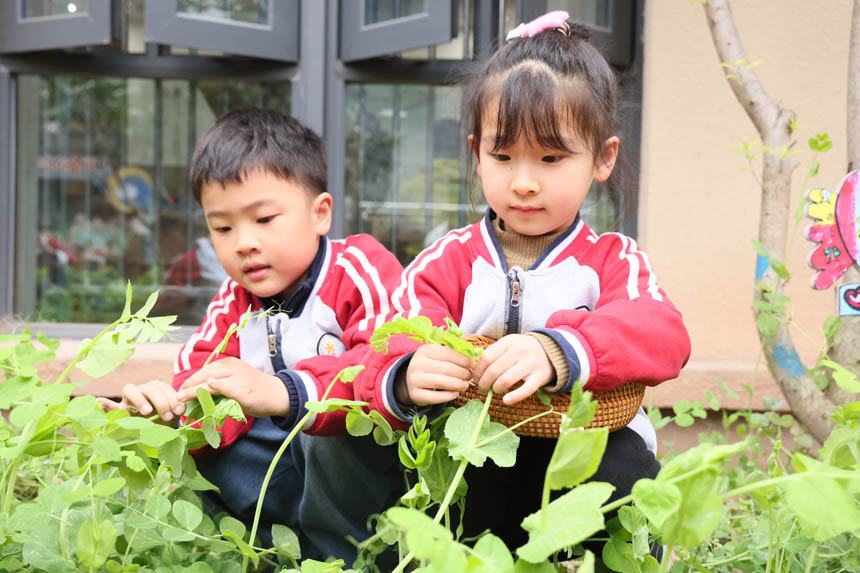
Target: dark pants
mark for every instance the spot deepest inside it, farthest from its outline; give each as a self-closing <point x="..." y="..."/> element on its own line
<point x="324" y="488"/>
<point x="500" y="498"/>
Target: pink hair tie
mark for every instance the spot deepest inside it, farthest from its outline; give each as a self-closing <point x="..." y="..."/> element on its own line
<point x="556" y="20"/>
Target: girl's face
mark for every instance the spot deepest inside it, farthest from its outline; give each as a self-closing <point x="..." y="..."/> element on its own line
<point x="533" y="189"/>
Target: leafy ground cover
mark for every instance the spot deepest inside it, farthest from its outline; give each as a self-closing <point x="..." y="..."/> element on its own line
<point x="81" y="489"/>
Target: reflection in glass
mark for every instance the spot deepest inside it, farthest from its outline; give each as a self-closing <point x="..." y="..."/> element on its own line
<point x="405" y="176"/>
<point x="104" y="198"/>
<point x="376" y="11"/>
<point x="460" y="47"/>
<point x="405" y="179"/>
<point x="40" y="8"/>
<point x="594" y="13"/>
<point x="251" y="11"/>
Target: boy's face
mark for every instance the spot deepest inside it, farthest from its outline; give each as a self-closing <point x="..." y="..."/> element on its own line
<point x="265" y="230"/>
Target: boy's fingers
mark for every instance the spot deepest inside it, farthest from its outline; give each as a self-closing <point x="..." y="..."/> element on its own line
<point x="169" y="397"/>
<point x="132" y="395"/>
<point x="159" y="399"/>
<point x="109" y="405"/>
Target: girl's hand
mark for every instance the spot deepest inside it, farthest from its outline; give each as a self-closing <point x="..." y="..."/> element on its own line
<point x="142" y="399"/>
<point x="513" y="358"/>
<point x="258" y="393"/>
<point x="436" y="374"/>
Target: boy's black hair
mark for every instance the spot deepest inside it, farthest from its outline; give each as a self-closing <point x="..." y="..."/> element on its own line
<point x="542" y="83"/>
<point x="249" y="139"/>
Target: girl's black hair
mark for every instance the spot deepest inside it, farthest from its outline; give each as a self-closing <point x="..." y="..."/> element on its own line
<point x="555" y="78"/>
<point x="248" y="139"/>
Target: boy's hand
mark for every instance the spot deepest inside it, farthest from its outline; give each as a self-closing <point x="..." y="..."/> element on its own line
<point x="142" y="399"/>
<point x="436" y="374"/>
<point x="513" y="358"/>
<point x="258" y="393"/>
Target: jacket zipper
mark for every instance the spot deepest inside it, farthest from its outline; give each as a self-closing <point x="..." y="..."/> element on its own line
<point x="272" y="337"/>
<point x="515" y="289"/>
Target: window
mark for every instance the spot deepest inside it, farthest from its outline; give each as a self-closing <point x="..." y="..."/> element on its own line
<point x="405" y="171"/>
<point x="101" y="102"/>
<point x="103" y="195"/>
<point x="259" y="28"/>
<point x="27" y="25"/>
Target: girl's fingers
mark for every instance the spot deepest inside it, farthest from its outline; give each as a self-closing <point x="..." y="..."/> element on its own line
<point x="529" y="387"/>
<point x="451" y="370"/>
<point x="437" y="381"/>
<point x="445" y="354"/>
<point x="494" y="371"/>
<point x="424" y="397"/>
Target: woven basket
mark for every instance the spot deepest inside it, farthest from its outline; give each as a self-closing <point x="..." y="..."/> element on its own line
<point x="615" y="408"/>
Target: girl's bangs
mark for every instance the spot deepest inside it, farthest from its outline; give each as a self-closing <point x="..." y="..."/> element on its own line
<point x="535" y="104"/>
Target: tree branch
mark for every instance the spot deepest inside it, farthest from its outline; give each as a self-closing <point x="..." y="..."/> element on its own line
<point x="756" y="102"/>
<point x="773" y="123"/>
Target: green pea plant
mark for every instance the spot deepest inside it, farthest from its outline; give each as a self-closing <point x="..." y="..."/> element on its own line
<point x="82" y="489"/>
<point x="715" y="507"/>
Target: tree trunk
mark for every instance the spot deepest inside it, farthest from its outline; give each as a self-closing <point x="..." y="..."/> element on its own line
<point x="844" y="349"/>
<point x="808" y="403"/>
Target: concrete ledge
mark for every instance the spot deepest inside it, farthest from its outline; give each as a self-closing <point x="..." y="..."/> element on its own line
<point x="155" y="361"/>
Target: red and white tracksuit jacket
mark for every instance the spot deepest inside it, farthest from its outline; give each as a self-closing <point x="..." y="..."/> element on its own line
<point x="596" y="296"/>
<point x="322" y="328"/>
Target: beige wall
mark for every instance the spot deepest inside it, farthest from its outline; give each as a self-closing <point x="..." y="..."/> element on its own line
<point x="698" y="212"/>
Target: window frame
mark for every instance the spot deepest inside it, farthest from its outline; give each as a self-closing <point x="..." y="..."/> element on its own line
<point x="360" y="41"/>
<point x="17" y="34"/>
<point x="617" y="44"/>
<point x="278" y="40"/>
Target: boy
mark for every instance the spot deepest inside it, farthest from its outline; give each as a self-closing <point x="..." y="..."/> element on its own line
<point x="260" y="177"/>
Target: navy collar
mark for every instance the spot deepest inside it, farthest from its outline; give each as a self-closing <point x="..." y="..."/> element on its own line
<point x="295" y="303"/>
<point x="488" y="221"/>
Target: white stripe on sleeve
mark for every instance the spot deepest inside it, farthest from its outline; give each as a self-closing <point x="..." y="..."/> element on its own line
<point x="366" y="298"/>
<point x="373" y="273"/>
<point x="209" y="326"/>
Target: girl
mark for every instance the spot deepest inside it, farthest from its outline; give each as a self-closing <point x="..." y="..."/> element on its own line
<point x="566" y="306"/>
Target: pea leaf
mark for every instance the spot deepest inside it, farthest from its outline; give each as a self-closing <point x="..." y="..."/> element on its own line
<point x="576" y="457"/>
<point x="206" y="401"/>
<point x="157" y="506"/>
<point x="187" y="514"/>
<point x="460" y="428"/>
<point x="108" y="487"/>
<point x="658" y="500"/>
<point x="96" y="542"/>
<point x="428" y="540"/>
<point x="210" y="430"/>
<point x="490" y="555"/>
<point x="358" y="423"/>
<point x="570" y="519"/>
<point x="171" y="533"/>
<point x="106" y="450"/>
<point x="105" y="356"/>
<point x="286" y="541"/>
